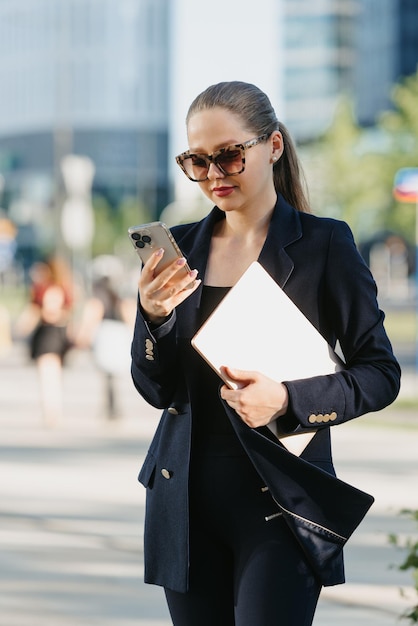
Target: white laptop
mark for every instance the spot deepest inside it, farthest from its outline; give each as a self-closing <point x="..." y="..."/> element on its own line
<point x="257" y="327"/>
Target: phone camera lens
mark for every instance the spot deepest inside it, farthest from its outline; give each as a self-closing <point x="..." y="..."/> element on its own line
<point x="136" y="236"/>
<point x="146" y="238"/>
<point x="139" y="244"/>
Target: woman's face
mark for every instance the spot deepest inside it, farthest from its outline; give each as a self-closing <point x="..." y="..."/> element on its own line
<point x="212" y="129"/>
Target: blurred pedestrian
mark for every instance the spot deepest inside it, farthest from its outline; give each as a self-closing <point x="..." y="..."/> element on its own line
<point x="218" y="536"/>
<point x="46" y="323"/>
<point x="106" y="327"/>
<point x="5" y="331"/>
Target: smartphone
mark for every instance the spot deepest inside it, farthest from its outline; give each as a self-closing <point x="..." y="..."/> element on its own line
<point x="147" y="238"/>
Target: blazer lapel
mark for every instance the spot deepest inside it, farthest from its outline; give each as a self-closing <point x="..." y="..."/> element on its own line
<point x="195" y="245"/>
<point x="284" y="229"/>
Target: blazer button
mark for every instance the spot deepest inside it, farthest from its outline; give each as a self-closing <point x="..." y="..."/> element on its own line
<point x="172" y="410"/>
<point x="326" y="418"/>
<point x="149" y="357"/>
<point x="312" y="418"/>
<point x="333" y="416"/>
<point x="166" y="473"/>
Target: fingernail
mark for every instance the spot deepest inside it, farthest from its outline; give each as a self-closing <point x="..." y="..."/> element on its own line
<point x="181" y="261"/>
<point x="193" y="274"/>
<point x="160" y="252"/>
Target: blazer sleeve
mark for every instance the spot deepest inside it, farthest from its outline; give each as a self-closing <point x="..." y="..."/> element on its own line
<point x="371" y="378"/>
<point x="154" y="359"/>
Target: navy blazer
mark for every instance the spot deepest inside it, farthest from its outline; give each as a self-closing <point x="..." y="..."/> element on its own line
<point x="316" y="262"/>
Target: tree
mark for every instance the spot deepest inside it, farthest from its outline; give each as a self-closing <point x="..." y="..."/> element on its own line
<point x="410" y="563"/>
<point x="345" y="172"/>
<point x="351" y="170"/>
<point x="112" y="223"/>
<point x="401" y="127"/>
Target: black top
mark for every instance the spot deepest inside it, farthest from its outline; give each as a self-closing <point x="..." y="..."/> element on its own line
<point x="212" y="429"/>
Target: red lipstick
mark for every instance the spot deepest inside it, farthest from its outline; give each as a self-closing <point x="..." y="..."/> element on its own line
<point x="222" y="192"/>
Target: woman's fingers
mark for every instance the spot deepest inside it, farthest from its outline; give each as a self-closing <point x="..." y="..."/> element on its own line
<point x="161" y="293"/>
<point x="172" y="276"/>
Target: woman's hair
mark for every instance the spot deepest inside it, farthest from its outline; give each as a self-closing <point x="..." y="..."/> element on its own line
<point x="254" y="108"/>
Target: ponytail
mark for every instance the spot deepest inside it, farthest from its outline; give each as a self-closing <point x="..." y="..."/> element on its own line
<point x="288" y="175"/>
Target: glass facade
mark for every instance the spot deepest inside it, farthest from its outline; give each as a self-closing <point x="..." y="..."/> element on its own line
<point x="376" y="53"/>
<point x="408" y="37"/>
<point x="90" y="77"/>
<point x="318" y="60"/>
<point x="357" y="47"/>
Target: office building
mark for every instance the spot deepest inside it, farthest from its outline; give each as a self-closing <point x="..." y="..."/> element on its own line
<point x="87" y="77"/>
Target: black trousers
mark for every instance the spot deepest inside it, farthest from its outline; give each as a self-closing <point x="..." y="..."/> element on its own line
<point x="244" y="570"/>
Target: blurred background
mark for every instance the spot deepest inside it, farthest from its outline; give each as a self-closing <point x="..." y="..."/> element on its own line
<point x="111" y="82"/>
<point x="93" y="97"/>
<point x="93" y="100"/>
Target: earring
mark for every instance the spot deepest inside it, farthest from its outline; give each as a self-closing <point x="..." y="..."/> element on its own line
<point x="274" y="159"/>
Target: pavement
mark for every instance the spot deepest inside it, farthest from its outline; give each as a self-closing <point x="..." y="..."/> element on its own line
<point x="71" y="510"/>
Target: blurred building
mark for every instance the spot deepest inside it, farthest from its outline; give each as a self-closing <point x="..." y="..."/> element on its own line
<point x="87" y="77"/>
<point x="385" y="50"/>
<point x="407" y="37"/>
<point x="318" y="62"/>
<point x="357" y="47"/>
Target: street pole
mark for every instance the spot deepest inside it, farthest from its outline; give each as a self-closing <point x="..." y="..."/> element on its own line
<point x="77" y="217"/>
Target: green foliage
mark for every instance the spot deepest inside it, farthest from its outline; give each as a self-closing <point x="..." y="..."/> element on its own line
<point x="111" y="225"/>
<point x="401" y="126"/>
<point x="402" y="123"/>
<point x="351" y="170"/>
<point x="350" y="189"/>
<point x="410" y="563"/>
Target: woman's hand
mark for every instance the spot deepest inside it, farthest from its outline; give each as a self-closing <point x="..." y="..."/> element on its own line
<point x="161" y="293"/>
<point x="259" y="399"/>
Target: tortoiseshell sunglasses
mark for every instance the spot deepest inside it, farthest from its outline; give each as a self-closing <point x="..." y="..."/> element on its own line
<point x="229" y="160"/>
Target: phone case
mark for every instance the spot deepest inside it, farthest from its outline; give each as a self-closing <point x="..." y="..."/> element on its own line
<point x="147" y="238"/>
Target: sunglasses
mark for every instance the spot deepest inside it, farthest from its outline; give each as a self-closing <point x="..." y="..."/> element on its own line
<point x="230" y="160"/>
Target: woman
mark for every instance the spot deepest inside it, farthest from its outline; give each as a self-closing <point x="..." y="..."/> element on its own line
<point x="46" y="320"/>
<point x="215" y="538"/>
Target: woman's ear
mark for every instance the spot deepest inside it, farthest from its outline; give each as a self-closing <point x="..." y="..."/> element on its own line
<point x="277" y="145"/>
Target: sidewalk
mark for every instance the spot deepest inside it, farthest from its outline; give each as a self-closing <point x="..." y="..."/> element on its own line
<point x="72" y="511"/>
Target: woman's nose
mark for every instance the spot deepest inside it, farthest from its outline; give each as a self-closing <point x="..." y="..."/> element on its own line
<point x="214" y="172"/>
